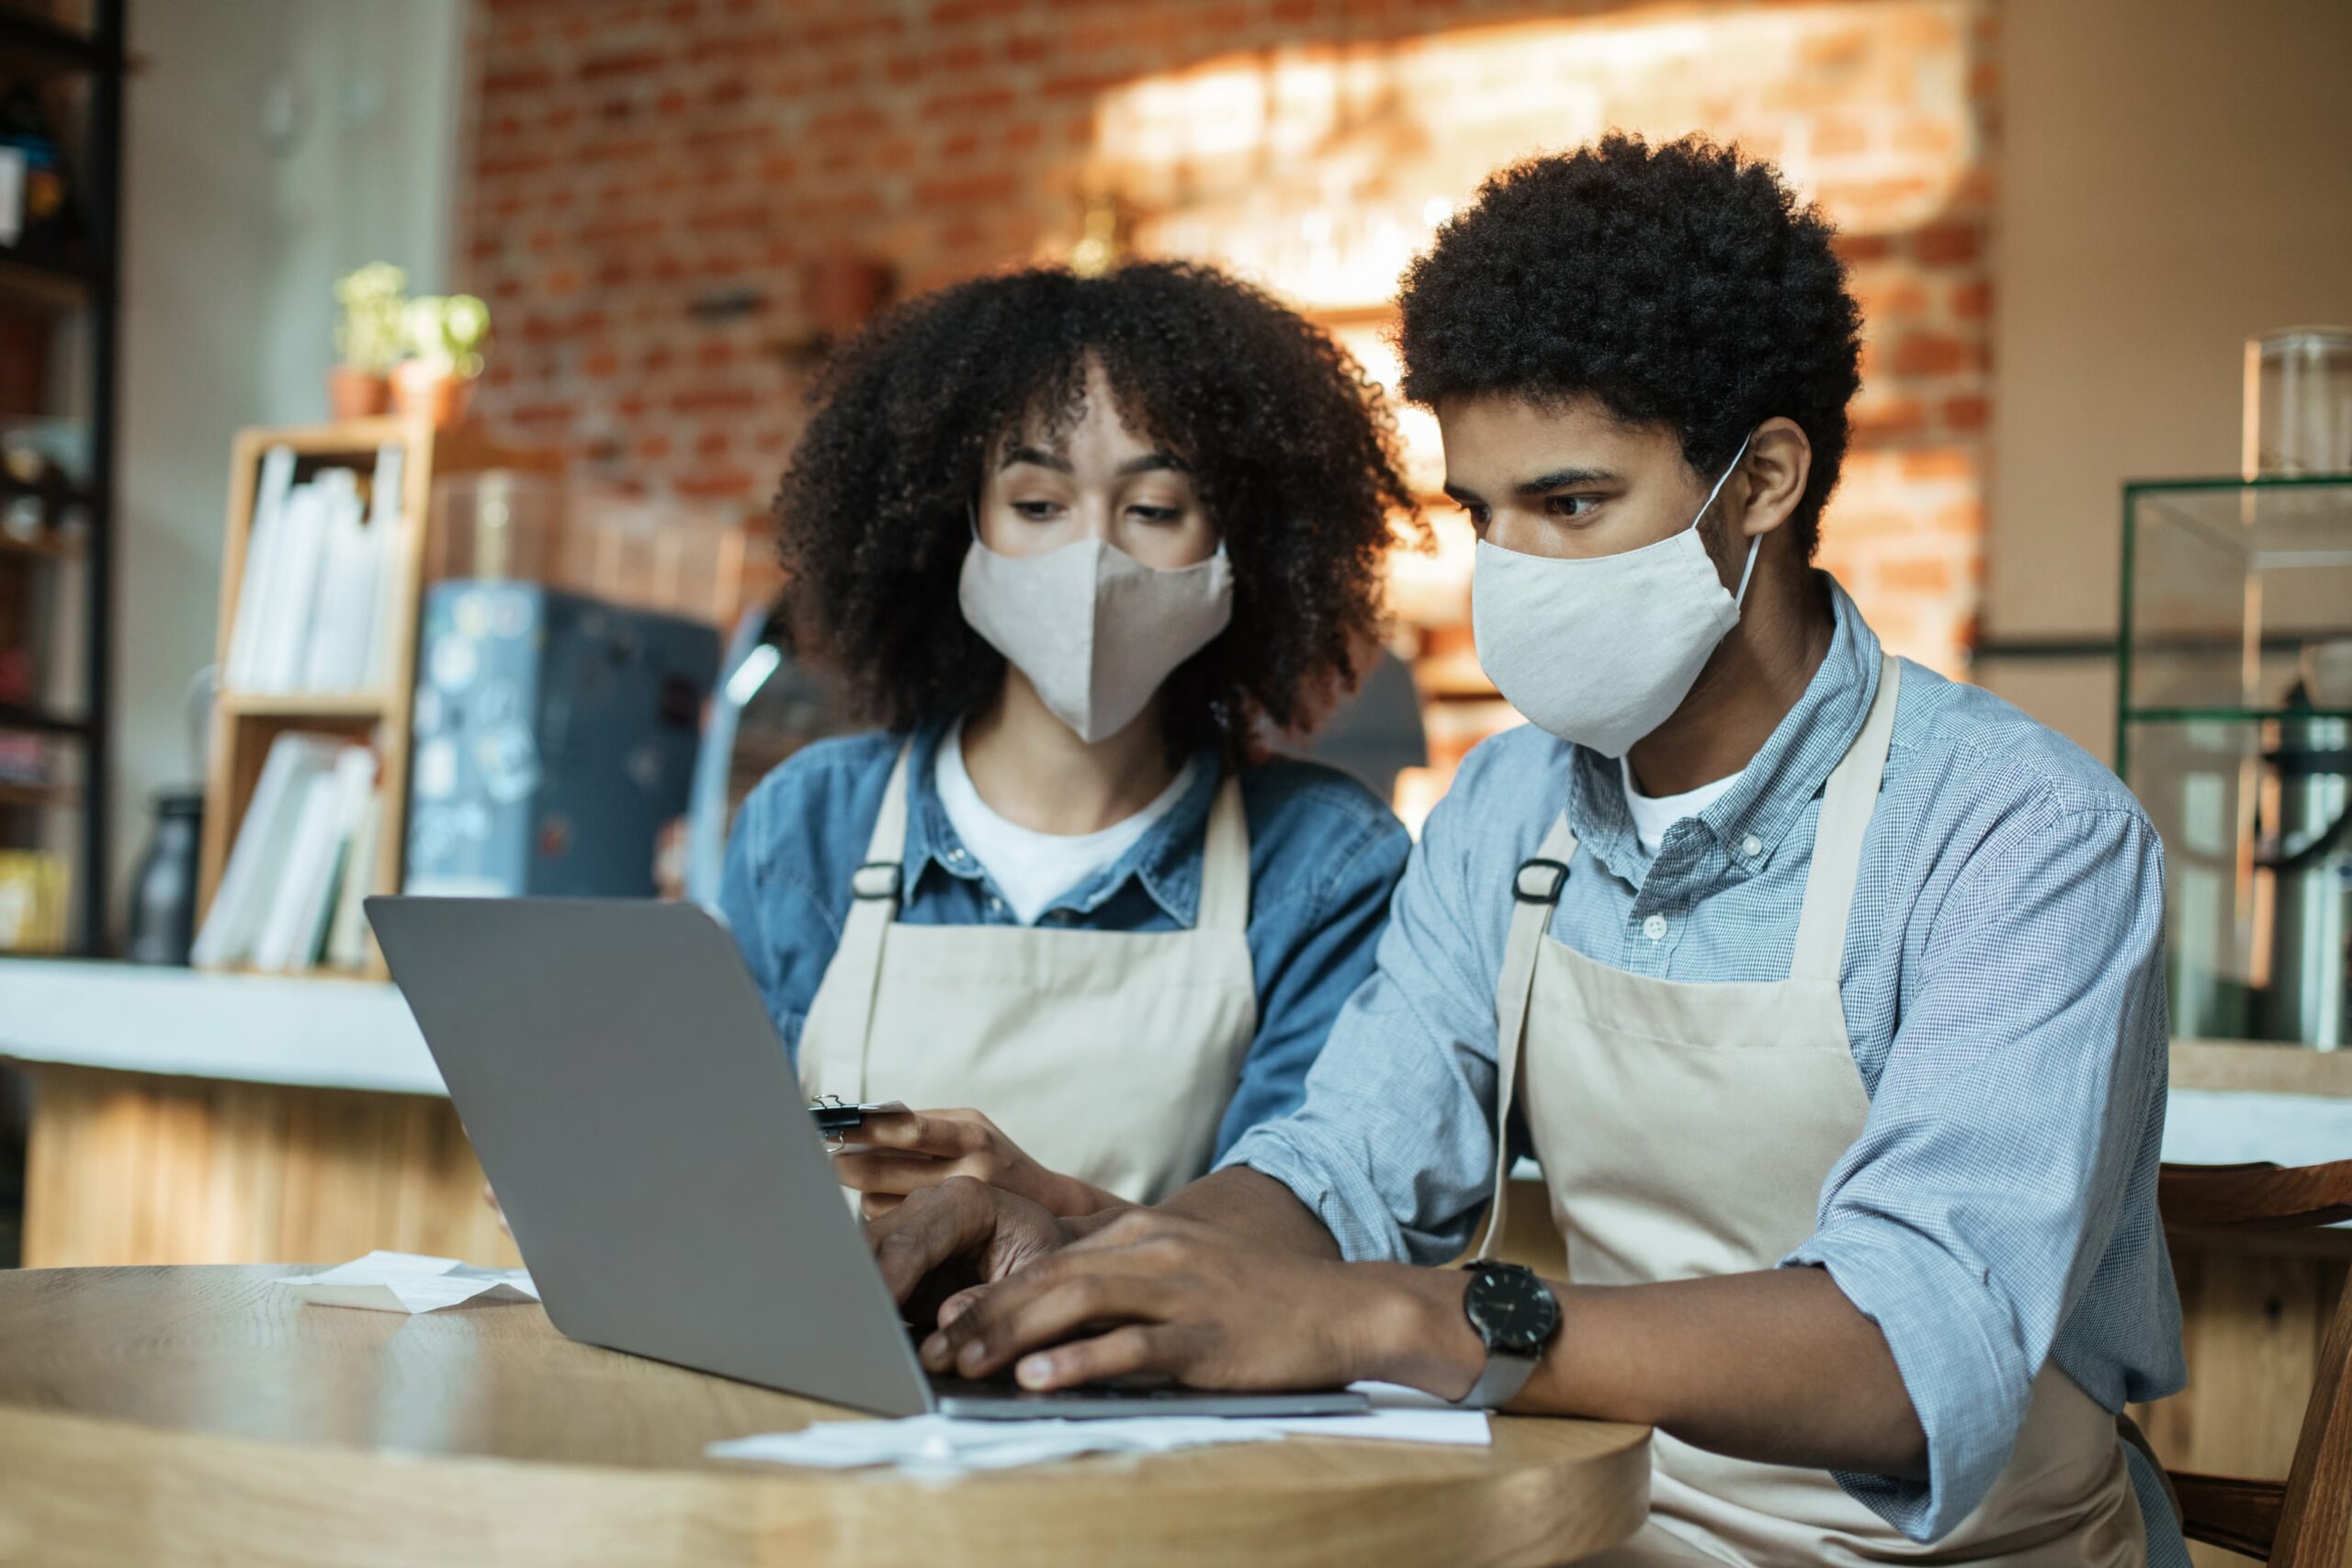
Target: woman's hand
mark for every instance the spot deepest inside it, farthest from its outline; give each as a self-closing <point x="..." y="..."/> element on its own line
<point x="915" y="1149"/>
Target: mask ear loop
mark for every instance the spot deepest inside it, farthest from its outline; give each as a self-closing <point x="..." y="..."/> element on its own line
<point x="1739" y="598"/>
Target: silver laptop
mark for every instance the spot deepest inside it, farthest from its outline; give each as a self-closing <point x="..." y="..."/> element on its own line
<point x="670" y="1193"/>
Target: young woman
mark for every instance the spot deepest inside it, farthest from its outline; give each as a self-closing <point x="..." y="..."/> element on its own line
<point x="1074" y="543"/>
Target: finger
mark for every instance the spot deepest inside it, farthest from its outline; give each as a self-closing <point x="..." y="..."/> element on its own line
<point x="873" y="1205"/>
<point x="896" y="1175"/>
<point x="1045" y="1304"/>
<point x="940" y="1222"/>
<point x="1137" y="1347"/>
<point x="921" y="1131"/>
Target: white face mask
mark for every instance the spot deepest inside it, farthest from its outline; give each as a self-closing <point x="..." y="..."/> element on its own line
<point x="1094" y="629"/>
<point x="1600" y="650"/>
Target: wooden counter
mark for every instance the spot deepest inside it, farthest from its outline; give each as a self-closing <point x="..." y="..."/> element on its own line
<point x="169" y="1416"/>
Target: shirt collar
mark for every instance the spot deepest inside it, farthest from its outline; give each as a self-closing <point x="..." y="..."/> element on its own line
<point x="1166" y="861"/>
<point x="1778" y="782"/>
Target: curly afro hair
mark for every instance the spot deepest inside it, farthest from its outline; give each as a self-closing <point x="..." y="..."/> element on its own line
<point x="1291" y="452"/>
<point x="1680" y="285"/>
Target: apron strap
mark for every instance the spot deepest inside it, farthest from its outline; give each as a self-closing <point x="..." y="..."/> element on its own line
<point x="1224" y="863"/>
<point x="1847" y="805"/>
<point x="875" y="891"/>
<point x="1536" y="893"/>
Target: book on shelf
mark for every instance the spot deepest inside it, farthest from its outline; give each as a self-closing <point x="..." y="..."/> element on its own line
<point x="315" y="599"/>
<point x="289" y="898"/>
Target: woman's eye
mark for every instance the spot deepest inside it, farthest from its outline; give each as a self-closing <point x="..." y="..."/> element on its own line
<point x="1159" y="514"/>
<point x="1036" y="511"/>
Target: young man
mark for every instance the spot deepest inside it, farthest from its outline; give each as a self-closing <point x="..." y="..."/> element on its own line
<point x="1827" y="993"/>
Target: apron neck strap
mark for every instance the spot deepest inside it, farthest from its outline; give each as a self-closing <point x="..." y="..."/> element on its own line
<point x="1536" y="893"/>
<point x="1847" y="805"/>
<point x="887" y="847"/>
<point x="1224" y="863"/>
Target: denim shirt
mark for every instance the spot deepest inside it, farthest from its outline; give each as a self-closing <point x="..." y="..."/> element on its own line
<point x="1324" y="856"/>
<point x="2003" y="988"/>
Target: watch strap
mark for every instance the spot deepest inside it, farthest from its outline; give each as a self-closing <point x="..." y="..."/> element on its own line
<point x="1507" y="1373"/>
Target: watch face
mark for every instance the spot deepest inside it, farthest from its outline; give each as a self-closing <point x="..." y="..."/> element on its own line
<point x="1511" y="1309"/>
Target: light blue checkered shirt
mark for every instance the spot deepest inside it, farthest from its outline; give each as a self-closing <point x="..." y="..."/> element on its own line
<point x="2003" y="992"/>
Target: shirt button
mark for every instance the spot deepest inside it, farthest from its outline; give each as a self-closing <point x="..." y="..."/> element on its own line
<point x="1654" y="928"/>
<point x="958" y="856"/>
<point x="1751" y="846"/>
<point x="996" y="905"/>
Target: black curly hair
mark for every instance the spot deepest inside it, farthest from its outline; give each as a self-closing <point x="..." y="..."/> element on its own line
<point x="1680" y="285"/>
<point x="1290" y="447"/>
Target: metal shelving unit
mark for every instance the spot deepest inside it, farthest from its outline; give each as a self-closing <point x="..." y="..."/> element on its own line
<point x="89" y="288"/>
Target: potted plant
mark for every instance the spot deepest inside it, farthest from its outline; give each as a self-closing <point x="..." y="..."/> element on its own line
<point x="366" y="340"/>
<point x="445" y="334"/>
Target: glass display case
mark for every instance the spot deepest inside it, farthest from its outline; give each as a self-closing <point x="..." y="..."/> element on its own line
<point x="2234" y="730"/>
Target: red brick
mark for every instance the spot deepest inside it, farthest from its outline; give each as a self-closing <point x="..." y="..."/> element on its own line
<point x="1930" y="353"/>
<point x="1973" y="300"/>
<point x="709" y="400"/>
<point x="1938" y="463"/>
<point x="718" y="484"/>
<point x="1948" y="244"/>
<point x="632" y="62"/>
<point x="972" y="190"/>
<point x="1966" y="412"/>
<point x="498" y="84"/>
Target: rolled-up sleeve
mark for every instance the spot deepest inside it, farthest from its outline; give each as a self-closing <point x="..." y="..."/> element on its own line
<point x="1394" y="1146"/>
<point x="2004" y="1127"/>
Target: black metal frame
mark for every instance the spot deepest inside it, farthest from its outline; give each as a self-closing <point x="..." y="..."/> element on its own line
<point x="100" y="56"/>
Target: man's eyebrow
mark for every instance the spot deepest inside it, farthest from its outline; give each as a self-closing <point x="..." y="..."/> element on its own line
<point x="1456" y="493"/>
<point x="1560" y="477"/>
<point x="1152" y="462"/>
<point x="1037" y="455"/>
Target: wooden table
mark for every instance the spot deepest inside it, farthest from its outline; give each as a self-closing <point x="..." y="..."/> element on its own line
<point x="172" y="1416"/>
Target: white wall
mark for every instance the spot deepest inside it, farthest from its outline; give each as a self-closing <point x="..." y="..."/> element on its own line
<point x="2175" y="176"/>
<point x="270" y="144"/>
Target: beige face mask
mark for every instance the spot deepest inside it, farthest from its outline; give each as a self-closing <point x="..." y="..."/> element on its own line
<point x="1094" y="629"/>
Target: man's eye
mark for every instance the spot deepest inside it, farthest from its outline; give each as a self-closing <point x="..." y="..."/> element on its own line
<point x="1571" y="505"/>
<point x="1478" y="515"/>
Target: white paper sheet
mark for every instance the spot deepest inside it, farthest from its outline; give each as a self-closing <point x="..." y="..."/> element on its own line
<point x="939" y="1446"/>
<point x="410" y="1282"/>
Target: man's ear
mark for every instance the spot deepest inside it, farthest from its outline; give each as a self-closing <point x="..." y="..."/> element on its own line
<point x="1779" y="461"/>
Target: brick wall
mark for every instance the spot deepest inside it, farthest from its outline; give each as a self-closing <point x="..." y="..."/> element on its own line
<point x="648" y="174"/>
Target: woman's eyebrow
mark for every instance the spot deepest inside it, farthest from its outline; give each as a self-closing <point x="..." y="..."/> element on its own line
<point x="1037" y="455"/>
<point x="1152" y="462"/>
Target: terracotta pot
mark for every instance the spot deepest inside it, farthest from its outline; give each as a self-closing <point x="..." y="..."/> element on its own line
<point x="354" y="393"/>
<point x="431" y="392"/>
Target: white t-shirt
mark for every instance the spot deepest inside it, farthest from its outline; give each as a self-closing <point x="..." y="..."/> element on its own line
<point x="1033" y="869"/>
<point x="1653" y="815"/>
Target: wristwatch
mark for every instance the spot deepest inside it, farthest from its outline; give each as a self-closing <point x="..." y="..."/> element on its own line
<point x="1514" y="1315"/>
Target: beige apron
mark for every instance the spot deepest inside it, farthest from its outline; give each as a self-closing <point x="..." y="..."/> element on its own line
<point x="1106" y="1055"/>
<point x="1685" y="1130"/>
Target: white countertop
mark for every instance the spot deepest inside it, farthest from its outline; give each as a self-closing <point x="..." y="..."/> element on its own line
<point x="249" y="1027"/>
<point x="358" y="1034"/>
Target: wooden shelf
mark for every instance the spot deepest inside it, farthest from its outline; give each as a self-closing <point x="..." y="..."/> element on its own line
<point x="40" y="721"/>
<point x="38" y="796"/>
<point x="41" y="285"/>
<point x="247" y="724"/>
<point x="23" y="33"/>
<point x="66" y="549"/>
<point x="305" y="705"/>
